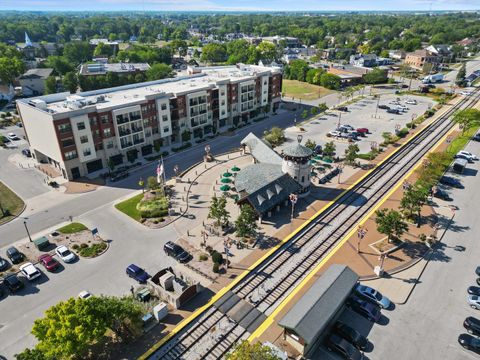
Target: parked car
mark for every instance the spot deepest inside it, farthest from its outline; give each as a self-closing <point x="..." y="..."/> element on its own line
<point x="65" y="254"/>
<point x="393" y="111"/>
<point x="451" y="181"/>
<point x="469" y="342"/>
<point x="472" y="325"/>
<point x="468" y="154"/>
<point x="342" y="108"/>
<point x="384" y="107"/>
<point x="13" y="283"/>
<point x="364" y="308"/>
<point x="352" y="135"/>
<point x="30" y="271"/>
<point x="473" y="290"/>
<point x="176" y="251"/>
<point x="441" y="194"/>
<point x="3" y="264"/>
<point x="465" y="157"/>
<point x="137" y="273"/>
<point x="362" y="131"/>
<point x="348" y="127"/>
<point x="48" y="262"/>
<point x="411" y="102"/>
<point x="84" y="294"/>
<point x="343" y="347"/>
<point x="334" y="133"/>
<point x="15" y="256"/>
<point x="474" y="301"/>
<point x="351" y="335"/>
<point x="13" y="137"/>
<point x="476" y="137"/>
<point x="27" y="152"/>
<point x="119" y="176"/>
<point x="477" y="270"/>
<point x="318" y="149"/>
<point x="373" y="295"/>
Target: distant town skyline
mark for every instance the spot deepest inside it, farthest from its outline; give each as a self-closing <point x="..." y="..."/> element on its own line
<point x="239" y="5"/>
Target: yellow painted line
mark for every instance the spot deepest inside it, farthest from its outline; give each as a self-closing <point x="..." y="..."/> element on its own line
<point x="270" y="319"/>
<point x="222" y="292"/>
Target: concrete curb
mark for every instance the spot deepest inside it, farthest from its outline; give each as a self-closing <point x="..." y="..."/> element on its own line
<point x="98" y="255"/>
<point x="21" y="211"/>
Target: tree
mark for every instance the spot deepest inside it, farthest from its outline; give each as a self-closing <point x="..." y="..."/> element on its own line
<point x="267" y="51"/>
<point x="51" y="85"/>
<point x="159" y="71"/>
<point x="390" y="222"/>
<point x="70" y="82"/>
<point x="248" y="351"/>
<point x="467" y="118"/>
<point x="246" y="224"/>
<point x="297" y="70"/>
<point x="314" y="110"/>
<point x="152" y="183"/>
<point x="275" y="136"/>
<point x="330" y="81"/>
<point x="322" y="107"/>
<point x="59" y="64"/>
<point x="214" y="53"/>
<point x="218" y="210"/>
<point x="186" y="135"/>
<point x="412" y="201"/>
<point x="103" y="49"/>
<point x="71" y="327"/>
<point x="329" y="149"/>
<point x="30" y="354"/>
<point x="376" y="76"/>
<point x="10" y="68"/>
<point x="77" y="52"/>
<point x="311" y="144"/>
<point x="462" y="73"/>
<point x="351" y="153"/>
<point x="304" y="114"/>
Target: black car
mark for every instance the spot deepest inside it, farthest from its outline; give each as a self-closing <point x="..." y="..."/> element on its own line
<point x="474" y="290"/>
<point x="342" y="108"/>
<point x="137" y="273"/>
<point x="343" y="347"/>
<point x="119" y="176"/>
<point x="477" y="270"/>
<point x="451" y="181"/>
<point x="27" y="152"/>
<point x="384" y="107"/>
<point x="441" y="194"/>
<point x="472" y="325"/>
<point x="176" y="251"/>
<point x="3" y="264"/>
<point x="351" y="335"/>
<point x="14" y="255"/>
<point x="13" y="283"/>
<point x="469" y="342"/>
<point x="393" y="111"/>
<point x="476" y="137"/>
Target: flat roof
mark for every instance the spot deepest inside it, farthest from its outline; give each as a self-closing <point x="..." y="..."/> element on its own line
<point x="207" y="78"/>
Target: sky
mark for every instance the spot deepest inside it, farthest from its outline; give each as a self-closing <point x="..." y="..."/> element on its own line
<point x="238" y="5"/>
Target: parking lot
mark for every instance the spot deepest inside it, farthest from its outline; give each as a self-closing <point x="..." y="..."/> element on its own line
<point x="362" y="115"/>
<point x="428" y="325"/>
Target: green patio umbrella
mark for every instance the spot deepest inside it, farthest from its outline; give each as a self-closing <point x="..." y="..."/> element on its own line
<point x="313" y="161"/>
<point x="235" y="168"/>
<point x="224" y="187"/>
<point x="226" y="181"/>
<point x="227" y="174"/>
<point x="318" y="157"/>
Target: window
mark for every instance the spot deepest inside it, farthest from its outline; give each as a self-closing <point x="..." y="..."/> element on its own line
<point x="164" y="118"/>
<point x="63" y="128"/>
<point x="68" y="142"/>
<point x="166" y="129"/>
<point x="69" y="155"/>
<point x="223" y="102"/>
<point x="81" y="126"/>
<point x="87" y="152"/>
<point x="107" y="132"/>
<point x="104" y="119"/>
<point x="93" y="121"/>
<point x="84" y="139"/>
<point x="164" y="106"/>
<point x="110" y="144"/>
<point x="222" y="93"/>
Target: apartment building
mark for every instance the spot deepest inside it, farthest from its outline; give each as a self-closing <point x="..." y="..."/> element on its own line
<point x="81" y="134"/>
<point x="419" y="58"/>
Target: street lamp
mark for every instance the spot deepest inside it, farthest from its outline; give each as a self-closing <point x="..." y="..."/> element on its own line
<point x="26" y="228"/>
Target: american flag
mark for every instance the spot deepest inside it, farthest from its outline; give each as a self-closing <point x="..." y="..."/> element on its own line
<point x="159" y="171"/>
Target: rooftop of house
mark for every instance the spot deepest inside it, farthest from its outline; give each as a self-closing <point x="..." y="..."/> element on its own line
<point x="36" y="74"/>
<point x="103" y="99"/>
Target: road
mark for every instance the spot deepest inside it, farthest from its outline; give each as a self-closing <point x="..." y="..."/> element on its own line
<point x="428" y="325"/>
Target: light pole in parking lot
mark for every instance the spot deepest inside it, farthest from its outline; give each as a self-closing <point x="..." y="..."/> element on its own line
<point x="26" y="228"/>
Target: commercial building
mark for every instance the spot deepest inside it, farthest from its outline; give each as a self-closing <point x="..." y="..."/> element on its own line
<point x="102" y="68"/>
<point x="80" y="134"/>
<point x="419" y="58"/>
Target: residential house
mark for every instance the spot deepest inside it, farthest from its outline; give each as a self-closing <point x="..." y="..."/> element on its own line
<point x="364" y="60"/>
<point x="397" y="54"/>
<point x="444" y="52"/>
<point x="33" y="81"/>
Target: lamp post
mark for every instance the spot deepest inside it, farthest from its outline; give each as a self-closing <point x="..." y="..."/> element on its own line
<point x="26" y="228"/>
<point x="340" y="167"/>
<point x="293" y="199"/>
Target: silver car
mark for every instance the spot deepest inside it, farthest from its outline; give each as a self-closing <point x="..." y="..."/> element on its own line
<point x="474" y="301"/>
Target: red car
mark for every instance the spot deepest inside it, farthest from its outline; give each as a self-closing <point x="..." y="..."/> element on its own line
<point x="362" y="131"/>
<point x="49" y="262"/>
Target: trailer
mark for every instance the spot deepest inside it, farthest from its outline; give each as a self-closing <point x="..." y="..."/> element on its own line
<point x="434" y="78"/>
<point x="459" y="165"/>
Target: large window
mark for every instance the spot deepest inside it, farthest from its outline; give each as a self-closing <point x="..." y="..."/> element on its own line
<point x="68" y="142"/>
<point x="63" y="128"/>
<point x="84" y="139"/>
<point x="107" y="132"/>
<point x="104" y="119"/>
<point x="69" y="155"/>
<point x="81" y="125"/>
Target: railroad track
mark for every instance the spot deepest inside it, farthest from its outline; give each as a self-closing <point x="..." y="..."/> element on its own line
<point x="212" y="334"/>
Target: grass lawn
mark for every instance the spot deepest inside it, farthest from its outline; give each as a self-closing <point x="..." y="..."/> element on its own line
<point x="303" y="90"/>
<point x="129" y="207"/>
<point x="461" y="141"/>
<point x="12" y="205"/>
<point x="72" y="228"/>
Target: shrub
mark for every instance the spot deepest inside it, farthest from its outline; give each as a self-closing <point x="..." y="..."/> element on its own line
<point x="155" y="221"/>
<point x="411" y="125"/>
<point x="402" y="133"/>
<point x="217" y="257"/>
<point x="75" y="247"/>
<point x="83" y="245"/>
<point x="203" y="257"/>
<point x="153" y="208"/>
<point x="209" y="249"/>
<point x="216" y="268"/>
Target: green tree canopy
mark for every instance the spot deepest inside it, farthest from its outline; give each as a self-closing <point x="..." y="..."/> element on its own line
<point x="77" y="52"/>
<point x="467" y="118"/>
<point x="59" y="63"/>
<point x="159" y="71"/>
<point x="275" y="137"/>
<point x="10" y="68"/>
<point x="390" y="222"/>
<point x="376" y="76"/>
<point x="329" y="149"/>
<point x="214" y="53"/>
<point x="70" y="82"/>
<point x="51" y="85"/>
<point x="351" y="153"/>
<point x="218" y="210"/>
<point x="246" y="224"/>
<point x="330" y="81"/>
<point x="247" y="351"/>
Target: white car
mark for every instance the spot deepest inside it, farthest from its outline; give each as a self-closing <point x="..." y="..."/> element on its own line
<point x="334" y="134"/>
<point x="465" y="93"/>
<point x="65" y="254"/>
<point x="12" y="136"/>
<point x="30" y="271"/>
<point x="84" y="294"/>
<point x="411" y="102"/>
<point x="468" y="154"/>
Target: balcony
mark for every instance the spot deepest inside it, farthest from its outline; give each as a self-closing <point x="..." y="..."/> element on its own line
<point x="124" y="132"/>
<point x="122" y="120"/>
<point x="136" y="130"/>
<point x="139" y="141"/>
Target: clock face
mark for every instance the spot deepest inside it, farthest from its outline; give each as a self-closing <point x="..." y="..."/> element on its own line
<point x="289" y="163"/>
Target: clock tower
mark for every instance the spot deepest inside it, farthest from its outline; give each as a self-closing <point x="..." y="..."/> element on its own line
<point x="296" y="163"/>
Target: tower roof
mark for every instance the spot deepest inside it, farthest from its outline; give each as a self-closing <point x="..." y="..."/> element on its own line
<point x="297" y="150"/>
